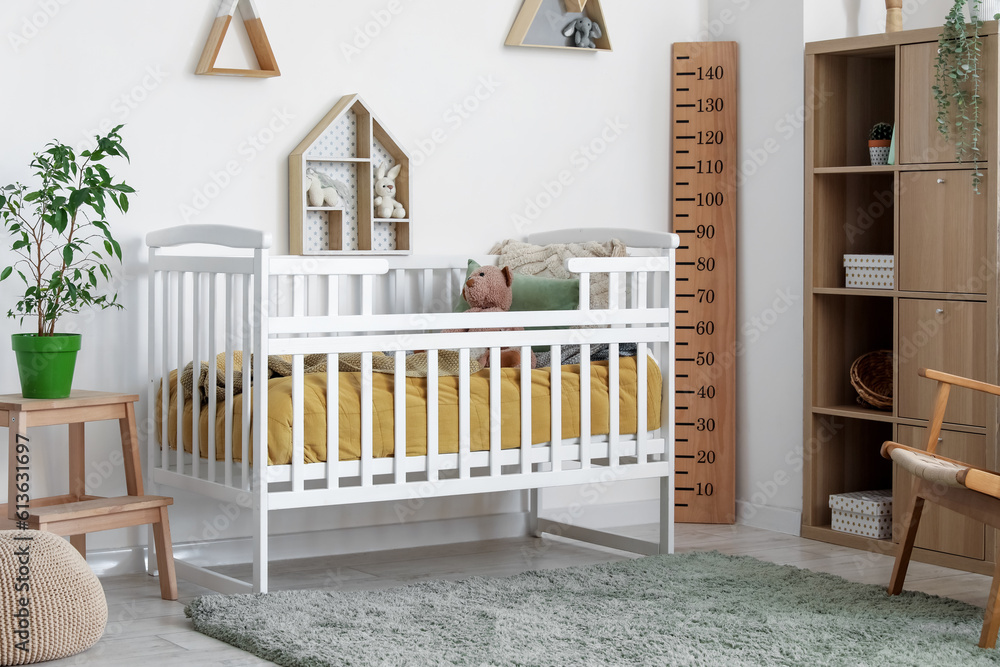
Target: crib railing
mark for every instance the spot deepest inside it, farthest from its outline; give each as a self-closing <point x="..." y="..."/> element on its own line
<point x="204" y="306"/>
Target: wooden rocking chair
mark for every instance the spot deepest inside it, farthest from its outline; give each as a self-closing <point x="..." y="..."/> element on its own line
<point x="958" y="486"/>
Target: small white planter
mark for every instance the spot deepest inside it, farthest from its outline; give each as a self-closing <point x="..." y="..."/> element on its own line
<point x="987" y="9"/>
<point x="879" y="151"/>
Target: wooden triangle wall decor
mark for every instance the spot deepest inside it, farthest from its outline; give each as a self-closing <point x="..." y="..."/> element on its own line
<point x="267" y="65"/>
<point x="545" y="23"/>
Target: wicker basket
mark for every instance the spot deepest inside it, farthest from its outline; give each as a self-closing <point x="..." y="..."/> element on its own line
<point x="871" y="377"/>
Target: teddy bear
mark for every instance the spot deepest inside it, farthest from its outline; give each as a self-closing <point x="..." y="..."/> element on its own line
<point x="489" y="290"/>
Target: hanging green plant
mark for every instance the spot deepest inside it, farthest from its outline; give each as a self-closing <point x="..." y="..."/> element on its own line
<point x="957" y="84"/>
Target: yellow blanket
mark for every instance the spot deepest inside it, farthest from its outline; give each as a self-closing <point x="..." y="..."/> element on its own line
<point x="279" y="427"/>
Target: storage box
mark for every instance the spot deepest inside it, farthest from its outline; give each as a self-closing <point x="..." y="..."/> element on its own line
<point x="867" y="513"/>
<point x="870" y="271"/>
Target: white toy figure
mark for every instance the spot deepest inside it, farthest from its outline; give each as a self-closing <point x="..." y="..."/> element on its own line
<point x="386" y="205"/>
<point x="325" y="191"/>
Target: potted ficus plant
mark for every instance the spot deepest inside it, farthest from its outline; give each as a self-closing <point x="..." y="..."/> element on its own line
<point x="957" y="86"/>
<point x="64" y="250"/>
<point x="879" y="142"/>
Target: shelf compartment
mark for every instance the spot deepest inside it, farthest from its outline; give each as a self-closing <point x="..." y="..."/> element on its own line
<point x="850" y="93"/>
<point x="855" y="411"/>
<point x="844" y="328"/>
<point x="852" y="214"/>
<point x="845" y="456"/>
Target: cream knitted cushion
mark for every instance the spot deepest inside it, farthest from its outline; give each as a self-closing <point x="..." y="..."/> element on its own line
<point x="66" y="609"/>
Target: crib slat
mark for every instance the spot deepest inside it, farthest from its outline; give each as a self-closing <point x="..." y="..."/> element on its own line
<point x="399" y="281"/>
<point x="432" y="415"/>
<point x="181" y="284"/>
<point x="213" y="351"/>
<point x="195" y="395"/>
<point x="246" y="314"/>
<point x="298" y="295"/>
<point x="366" y="418"/>
<point x="585" y="291"/>
<point x="641" y="400"/>
<point x="614" y="415"/>
<point x="166" y="280"/>
<point x="333" y="295"/>
<point x="495" y="423"/>
<point x="585" y="431"/>
<point x="399" y="418"/>
<point x="332" y="421"/>
<point x="555" y="391"/>
<point x="613" y="302"/>
<point x="298" y="424"/>
<point x="525" y="410"/>
<point x="428" y="296"/>
<point x="464" y="420"/>
<point x="367" y="299"/>
<point x="228" y="409"/>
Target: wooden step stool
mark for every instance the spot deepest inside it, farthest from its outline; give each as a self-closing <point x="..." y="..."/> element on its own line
<point x="76" y="513"/>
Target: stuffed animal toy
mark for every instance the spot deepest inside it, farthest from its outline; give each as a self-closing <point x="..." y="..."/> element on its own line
<point x="386" y="205"/>
<point x="488" y="290"/>
<point x="586" y="31"/>
<point x="325" y="191"/>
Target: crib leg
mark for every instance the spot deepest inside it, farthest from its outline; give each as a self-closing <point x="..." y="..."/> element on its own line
<point x="259" y="536"/>
<point x="533" y="496"/>
<point x="667" y="515"/>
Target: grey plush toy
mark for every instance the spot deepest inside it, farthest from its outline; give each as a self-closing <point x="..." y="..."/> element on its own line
<point x="586" y="32"/>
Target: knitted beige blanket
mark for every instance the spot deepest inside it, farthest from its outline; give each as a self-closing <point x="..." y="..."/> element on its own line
<point x="550" y="262"/>
<point x="281" y="366"/>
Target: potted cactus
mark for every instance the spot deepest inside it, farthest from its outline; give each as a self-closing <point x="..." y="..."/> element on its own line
<point x="63" y="249"/>
<point x="879" y="141"/>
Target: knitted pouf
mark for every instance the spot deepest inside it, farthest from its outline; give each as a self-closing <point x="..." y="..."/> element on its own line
<point x="65" y="607"/>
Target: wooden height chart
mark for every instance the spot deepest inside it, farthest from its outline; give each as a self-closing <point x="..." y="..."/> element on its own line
<point x="705" y="168"/>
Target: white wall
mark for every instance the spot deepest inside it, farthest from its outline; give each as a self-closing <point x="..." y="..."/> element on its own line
<point x="769" y="285"/>
<point x="832" y="19"/>
<point x="132" y="62"/>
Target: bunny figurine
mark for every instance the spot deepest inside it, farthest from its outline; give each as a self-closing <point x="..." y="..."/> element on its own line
<point x="586" y="31"/>
<point x="386" y="205"/>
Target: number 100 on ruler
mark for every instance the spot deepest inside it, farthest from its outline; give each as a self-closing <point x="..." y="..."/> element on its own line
<point x="703" y="173"/>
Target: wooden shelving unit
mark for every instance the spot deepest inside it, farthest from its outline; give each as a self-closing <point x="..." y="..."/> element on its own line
<point x="942" y="312"/>
<point x="267" y="66"/>
<point x="348" y="144"/>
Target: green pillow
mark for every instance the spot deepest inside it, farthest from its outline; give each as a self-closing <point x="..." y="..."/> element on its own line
<point x="535" y="293"/>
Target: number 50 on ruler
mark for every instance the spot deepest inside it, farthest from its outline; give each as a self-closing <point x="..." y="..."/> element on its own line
<point x="704" y="85"/>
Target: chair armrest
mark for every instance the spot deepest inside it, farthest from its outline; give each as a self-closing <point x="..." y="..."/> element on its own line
<point x="889" y="445"/>
<point x="959" y="381"/>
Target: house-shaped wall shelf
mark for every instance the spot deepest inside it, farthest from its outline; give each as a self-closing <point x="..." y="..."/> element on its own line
<point x="267" y="66"/>
<point x="540" y="23"/>
<point x="348" y="145"/>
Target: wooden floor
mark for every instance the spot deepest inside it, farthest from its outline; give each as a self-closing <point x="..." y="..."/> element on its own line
<point x="145" y="630"/>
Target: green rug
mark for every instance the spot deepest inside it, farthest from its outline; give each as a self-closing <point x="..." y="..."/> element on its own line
<point x="692" y="609"/>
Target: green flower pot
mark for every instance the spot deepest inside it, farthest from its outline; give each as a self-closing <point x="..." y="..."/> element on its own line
<point x="46" y="363"/>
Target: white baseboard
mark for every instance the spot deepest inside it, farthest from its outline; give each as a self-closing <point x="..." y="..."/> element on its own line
<point x="606" y="516"/>
<point x="131" y="560"/>
<point x="777" y="519"/>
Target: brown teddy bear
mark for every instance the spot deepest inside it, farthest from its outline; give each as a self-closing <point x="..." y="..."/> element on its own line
<point x="489" y="290"/>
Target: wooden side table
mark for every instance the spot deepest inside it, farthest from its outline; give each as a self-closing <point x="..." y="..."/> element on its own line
<point x="77" y="513"/>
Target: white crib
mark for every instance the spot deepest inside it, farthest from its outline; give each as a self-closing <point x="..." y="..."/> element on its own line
<point x="201" y="305"/>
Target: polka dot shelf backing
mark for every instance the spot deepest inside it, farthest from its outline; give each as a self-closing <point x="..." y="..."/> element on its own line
<point x="332" y="176"/>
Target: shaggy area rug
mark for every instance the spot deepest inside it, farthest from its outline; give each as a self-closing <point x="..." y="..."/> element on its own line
<point x="692" y="609"/>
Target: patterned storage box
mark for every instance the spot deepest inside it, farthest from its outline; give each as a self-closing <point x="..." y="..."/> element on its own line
<point x="867" y="513"/>
<point x="870" y="271"/>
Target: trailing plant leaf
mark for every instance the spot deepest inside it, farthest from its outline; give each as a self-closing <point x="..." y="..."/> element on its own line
<point x="55" y="225"/>
<point x="957" y="85"/>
